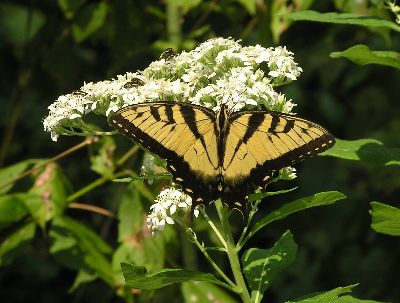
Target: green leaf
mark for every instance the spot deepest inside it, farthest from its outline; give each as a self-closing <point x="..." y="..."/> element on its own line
<point x="70" y="7"/>
<point x="385" y="219"/>
<point x="137" y="277"/>
<point x="259" y="196"/>
<point x="337" y="18"/>
<point x="367" y="150"/>
<point x="350" y="299"/>
<point x="77" y="247"/>
<point x="83" y="277"/>
<point x="144" y="190"/>
<point x="362" y="55"/>
<point x="325" y="297"/>
<point x="9" y="173"/>
<point x="12" y="209"/>
<point x="166" y="176"/>
<point x="130" y="214"/>
<point x="185" y="5"/>
<point x="37" y="207"/>
<point x="249" y="5"/>
<point x="203" y="291"/>
<point x="260" y="266"/>
<point x="143" y="251"/>
<point x="19" y="23"/>
<point x="89" y="19"/>
<point x="48" y="197"/>
<point x="101" y="156"/>
<point x="15" y="243"/>
<point x="319" y="199"/>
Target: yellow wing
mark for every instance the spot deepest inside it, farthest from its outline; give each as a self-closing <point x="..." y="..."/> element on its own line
<point x="184" y="135"/>
<point x="259" y="143"/>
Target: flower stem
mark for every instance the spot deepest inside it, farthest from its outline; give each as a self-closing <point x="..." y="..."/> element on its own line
<point x="193" y="238"/>
<point x="173" y="23"/>
<point x="92" y="208"/>
<point x="233" y="253"/>
<point x="214" y="228"/>
<point x="240" y="243"/>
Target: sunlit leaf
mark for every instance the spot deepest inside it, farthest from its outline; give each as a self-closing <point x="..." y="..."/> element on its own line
<point x="385" y="219"/>
<point x="350" y="299"/>
<point x="319" y="199"/>
<point x="260" y="266"/>
<point x="367" y="150"/>
<point x="205" y="292"/>
<point x="337" y="18"/>
<point x="138" y="277"/>
<point x="14" y="244"/>
<point x="259" y="196"/>
<point x="362" y="55"/>
<point x="325" y="297"/>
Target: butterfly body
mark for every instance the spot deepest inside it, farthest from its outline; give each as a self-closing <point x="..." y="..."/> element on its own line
<point x="220" y="154"/>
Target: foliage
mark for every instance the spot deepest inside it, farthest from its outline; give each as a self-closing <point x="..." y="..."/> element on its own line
<point x="65" y="225"/>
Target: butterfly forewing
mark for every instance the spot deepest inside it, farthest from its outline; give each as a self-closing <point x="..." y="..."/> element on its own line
<point x="182" y="134"/>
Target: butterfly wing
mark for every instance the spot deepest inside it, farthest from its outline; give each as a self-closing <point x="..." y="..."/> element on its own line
<point x="184" y="135"/>
<point x="259" y="143"/>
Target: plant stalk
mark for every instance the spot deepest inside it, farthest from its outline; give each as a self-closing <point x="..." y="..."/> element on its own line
<point x="233" y="253"/>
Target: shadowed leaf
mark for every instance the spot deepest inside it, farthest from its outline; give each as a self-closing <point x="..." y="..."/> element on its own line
<point x="138" y="277"/>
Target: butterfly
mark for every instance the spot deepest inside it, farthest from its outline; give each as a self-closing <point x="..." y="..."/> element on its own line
<point x="221" y="155"/>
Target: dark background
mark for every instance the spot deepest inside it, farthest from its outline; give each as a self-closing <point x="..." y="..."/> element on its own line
<point x="44" y="56"/>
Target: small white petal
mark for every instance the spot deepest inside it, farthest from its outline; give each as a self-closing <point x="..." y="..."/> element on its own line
<point x="274" y="74"/>
<point x="172" y="209"/>
<point x="169" y="220"/>
<point x="182" y="205"/>
<point x="74" y="116"/>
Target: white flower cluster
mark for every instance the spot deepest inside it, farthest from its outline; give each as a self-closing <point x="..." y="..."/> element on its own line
<point x="166" y="205"/>
<point x="66" y="113"/>
<point x="217" y="71"/>
<point x="395" y="9"/>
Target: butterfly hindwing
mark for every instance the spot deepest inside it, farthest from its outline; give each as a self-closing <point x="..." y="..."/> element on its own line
<point x="182" y="134"/>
